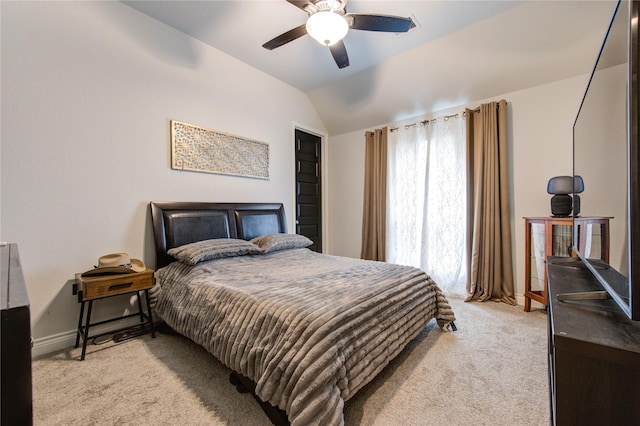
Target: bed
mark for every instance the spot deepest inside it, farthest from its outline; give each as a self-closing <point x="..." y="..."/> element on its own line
<point x="303" y="331"/>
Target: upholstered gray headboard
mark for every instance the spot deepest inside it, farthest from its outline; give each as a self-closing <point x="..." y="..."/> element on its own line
<point x="179" y="223"/>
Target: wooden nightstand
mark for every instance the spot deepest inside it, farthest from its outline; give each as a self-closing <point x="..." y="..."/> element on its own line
<point x="89" y="289"/>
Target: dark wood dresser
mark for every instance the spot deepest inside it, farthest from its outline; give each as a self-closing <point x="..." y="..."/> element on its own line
<point x="16" y="342"/>
<point x="594" y="353"/>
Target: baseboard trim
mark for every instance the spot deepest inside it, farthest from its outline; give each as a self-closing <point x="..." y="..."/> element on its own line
<point x="53" y="343"/>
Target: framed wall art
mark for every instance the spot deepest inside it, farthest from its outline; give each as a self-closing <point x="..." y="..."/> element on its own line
<point x="197" y="149"/>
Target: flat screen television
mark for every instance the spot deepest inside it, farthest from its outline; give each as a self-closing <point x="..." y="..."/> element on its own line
<point x="606" y="156"/>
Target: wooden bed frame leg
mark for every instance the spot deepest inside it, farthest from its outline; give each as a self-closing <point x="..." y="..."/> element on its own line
<point x="244" y="385"/>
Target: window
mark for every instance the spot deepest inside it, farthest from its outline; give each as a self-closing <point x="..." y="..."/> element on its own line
<point x="426" y="198"/>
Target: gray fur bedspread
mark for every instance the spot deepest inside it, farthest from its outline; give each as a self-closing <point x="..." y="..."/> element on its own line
<point x="308" y="329"/>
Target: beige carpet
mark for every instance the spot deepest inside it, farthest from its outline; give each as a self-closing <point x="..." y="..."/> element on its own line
<point x="492" y="371"/>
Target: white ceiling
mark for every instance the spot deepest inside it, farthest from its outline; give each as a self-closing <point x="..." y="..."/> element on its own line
<point x="461" y="51"/>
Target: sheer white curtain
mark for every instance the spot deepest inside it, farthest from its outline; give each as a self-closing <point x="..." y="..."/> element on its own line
<point x="426" y="195"/>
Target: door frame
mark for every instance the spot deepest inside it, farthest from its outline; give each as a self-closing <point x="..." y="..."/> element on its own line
<point x="323" y="179"/>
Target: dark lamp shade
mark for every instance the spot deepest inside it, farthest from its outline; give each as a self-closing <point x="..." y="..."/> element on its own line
<point x="563" y="185"/>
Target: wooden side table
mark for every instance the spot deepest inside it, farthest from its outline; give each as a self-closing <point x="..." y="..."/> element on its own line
<point x="89" y="289"/>
<point x="553" y="236"/>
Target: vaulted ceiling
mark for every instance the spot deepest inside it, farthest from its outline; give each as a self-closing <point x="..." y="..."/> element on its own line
<point x="459" y="52"/>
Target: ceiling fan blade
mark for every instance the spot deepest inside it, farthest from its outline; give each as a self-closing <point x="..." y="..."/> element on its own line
<point x="385" y="23"/>
<point x="286" y="37"/>
<point x="339" y="53"/>
<point x="305" y="5"/>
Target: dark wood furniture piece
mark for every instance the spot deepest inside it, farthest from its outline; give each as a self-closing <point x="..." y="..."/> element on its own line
<point x="594" y="353"/>
<point x="17" y="407"/>
<point x="552" y="236"/>
<point x="89" y="289"/>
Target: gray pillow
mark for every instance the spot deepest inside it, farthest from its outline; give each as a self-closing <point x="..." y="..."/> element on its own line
<point x="194" y="253"/>
<point x="275" y="242"/>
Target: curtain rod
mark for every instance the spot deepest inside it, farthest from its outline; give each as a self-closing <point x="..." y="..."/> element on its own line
<point x="425" y="122"/>
<point x="478" y="109"/>
<point x="446" y="117"/>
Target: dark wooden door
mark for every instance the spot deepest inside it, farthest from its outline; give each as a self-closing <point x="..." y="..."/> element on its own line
<point x="308" y="188"/>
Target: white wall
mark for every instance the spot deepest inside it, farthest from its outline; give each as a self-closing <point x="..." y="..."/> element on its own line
<point x="540" y="134"/>
<point x="88" y="89"/>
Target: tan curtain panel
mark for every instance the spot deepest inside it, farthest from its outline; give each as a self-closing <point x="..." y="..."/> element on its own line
<point x="374" y="214"/>
<point x="490" y="256"/>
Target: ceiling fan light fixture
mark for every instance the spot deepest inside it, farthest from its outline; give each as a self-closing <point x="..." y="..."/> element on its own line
<point x="327" y="27"/>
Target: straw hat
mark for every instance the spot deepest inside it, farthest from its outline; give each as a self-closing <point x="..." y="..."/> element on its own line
<point x="115" y="263"/>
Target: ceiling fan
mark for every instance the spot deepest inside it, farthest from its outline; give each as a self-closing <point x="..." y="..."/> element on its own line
<point x="329" y="23"/>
